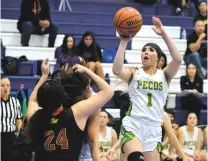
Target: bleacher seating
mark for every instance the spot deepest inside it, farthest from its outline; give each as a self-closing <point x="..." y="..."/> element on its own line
<point x="96" y="17"/>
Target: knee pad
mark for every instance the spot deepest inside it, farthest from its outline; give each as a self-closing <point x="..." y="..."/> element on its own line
<point x="136" y="156"/>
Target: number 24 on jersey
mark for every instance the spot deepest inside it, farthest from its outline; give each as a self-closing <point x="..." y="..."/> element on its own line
<point x="61" y="140"/>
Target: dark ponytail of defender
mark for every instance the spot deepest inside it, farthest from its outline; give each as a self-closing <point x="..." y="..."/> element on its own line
<point x="49" y="98"/>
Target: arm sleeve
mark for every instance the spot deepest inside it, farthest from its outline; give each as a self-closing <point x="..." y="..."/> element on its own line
<point x="200" y="89"/>
<point x="182" y="83"/>
<point x="57" y="53"/>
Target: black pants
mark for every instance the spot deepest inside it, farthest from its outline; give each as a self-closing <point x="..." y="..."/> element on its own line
<point x="28" y="29"/>
<point x="7" y="141"/>
<point x="192" y="103"/>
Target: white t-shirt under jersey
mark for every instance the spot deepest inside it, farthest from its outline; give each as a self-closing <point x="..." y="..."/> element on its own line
<point x="105" y="142"/>
<point x="189" y="142"/>
<point x="148" y="94"/>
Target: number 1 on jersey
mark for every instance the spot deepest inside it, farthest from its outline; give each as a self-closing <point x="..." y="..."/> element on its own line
<point x="149" y="99"/>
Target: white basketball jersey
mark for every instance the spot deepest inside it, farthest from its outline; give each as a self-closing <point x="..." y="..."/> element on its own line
<point x="189" y="142"/>
<point x="148" y="94"/>
<point x="105" y="142"/>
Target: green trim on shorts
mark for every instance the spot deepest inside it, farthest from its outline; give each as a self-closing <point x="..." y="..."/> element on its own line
<point x="127" y="136"/>
<point x="129" y="109"/>
<point x="159" y="147"/>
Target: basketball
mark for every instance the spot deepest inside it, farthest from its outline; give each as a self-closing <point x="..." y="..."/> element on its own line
<point x="128" y="21"/>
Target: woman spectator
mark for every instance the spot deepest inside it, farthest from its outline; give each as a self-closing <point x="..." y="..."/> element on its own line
<point x="192" y="90"/>
<point x="91" y="52"/>
<point x="162" y="63"/>
<point x="190" y="138"/>
<point x="10" y="119"/>
<point x="65" y="53"/>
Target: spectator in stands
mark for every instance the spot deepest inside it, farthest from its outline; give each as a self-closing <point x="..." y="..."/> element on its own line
<point x="182" y="5"/>
<point x="202" y="15"/>
<point x="11" y="115"/>
<point x="190" y="138"/>
<point x="196" y="51"/>
<point x="171" y="116"/>
<point x="107" y="135"/>
<point x="192" y="90"/>
<point x="162" y="62"/>
<point x="65" y="53"/>
<point x="35" y="19"/>
<point x="91" y="52"/>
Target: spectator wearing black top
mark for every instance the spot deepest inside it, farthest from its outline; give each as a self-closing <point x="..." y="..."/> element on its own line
<point x="196" y="51"/>
<point x="91" y="52"/>
<point x="183" y="4"/>
<point x="35" y="19"/>
<point x="192" y="90"/>
<point x="10" y="114"/>
<point x="202" y="15"/>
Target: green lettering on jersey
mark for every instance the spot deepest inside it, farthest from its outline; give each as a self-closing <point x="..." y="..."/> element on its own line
<point x="150" y="85"/>
<point x="160" y="86"/>
<point x="155" y="85"/>
<point x="189" y="143"/>
<point x="145" y="84"/>
<point x="139" y="83"/>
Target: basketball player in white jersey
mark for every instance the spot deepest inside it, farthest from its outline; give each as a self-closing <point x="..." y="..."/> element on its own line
<point x="148" y="90"/>
<point x="170" y="134"/>
<point x="107" y="135"/>
<point x="190" y="137"/>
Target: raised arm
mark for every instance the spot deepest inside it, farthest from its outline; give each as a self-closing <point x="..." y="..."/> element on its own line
<point x="83" y="109"/>
<point x="93" y="133"/>
<point x="33" y="104"/>
<point x="118" y="69"/>
<point x="173" y="67"/>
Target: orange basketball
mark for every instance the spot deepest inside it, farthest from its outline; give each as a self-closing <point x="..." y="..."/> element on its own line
<point x="128" y="21"/>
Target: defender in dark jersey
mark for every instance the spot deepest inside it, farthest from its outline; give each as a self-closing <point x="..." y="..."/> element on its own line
<point x="57" y="133"/>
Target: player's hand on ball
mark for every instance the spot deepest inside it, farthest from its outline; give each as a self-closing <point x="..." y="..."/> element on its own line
<point x="158" y="27"/>
<point x="126" y="39"/>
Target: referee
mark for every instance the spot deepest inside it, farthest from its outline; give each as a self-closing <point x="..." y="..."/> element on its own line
<point x="10" y="114"/>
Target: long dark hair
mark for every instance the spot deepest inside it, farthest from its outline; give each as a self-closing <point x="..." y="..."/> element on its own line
<point x="49" y="98"/>
<point x="65" y="50"/>
<point x="75" y="85"/>
<point x="165" y="58"/>
<point x="81" y="46"/>
<point x="197" y="75"/>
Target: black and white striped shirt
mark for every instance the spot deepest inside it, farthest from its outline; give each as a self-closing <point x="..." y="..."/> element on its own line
<point x="10" y="111"/>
